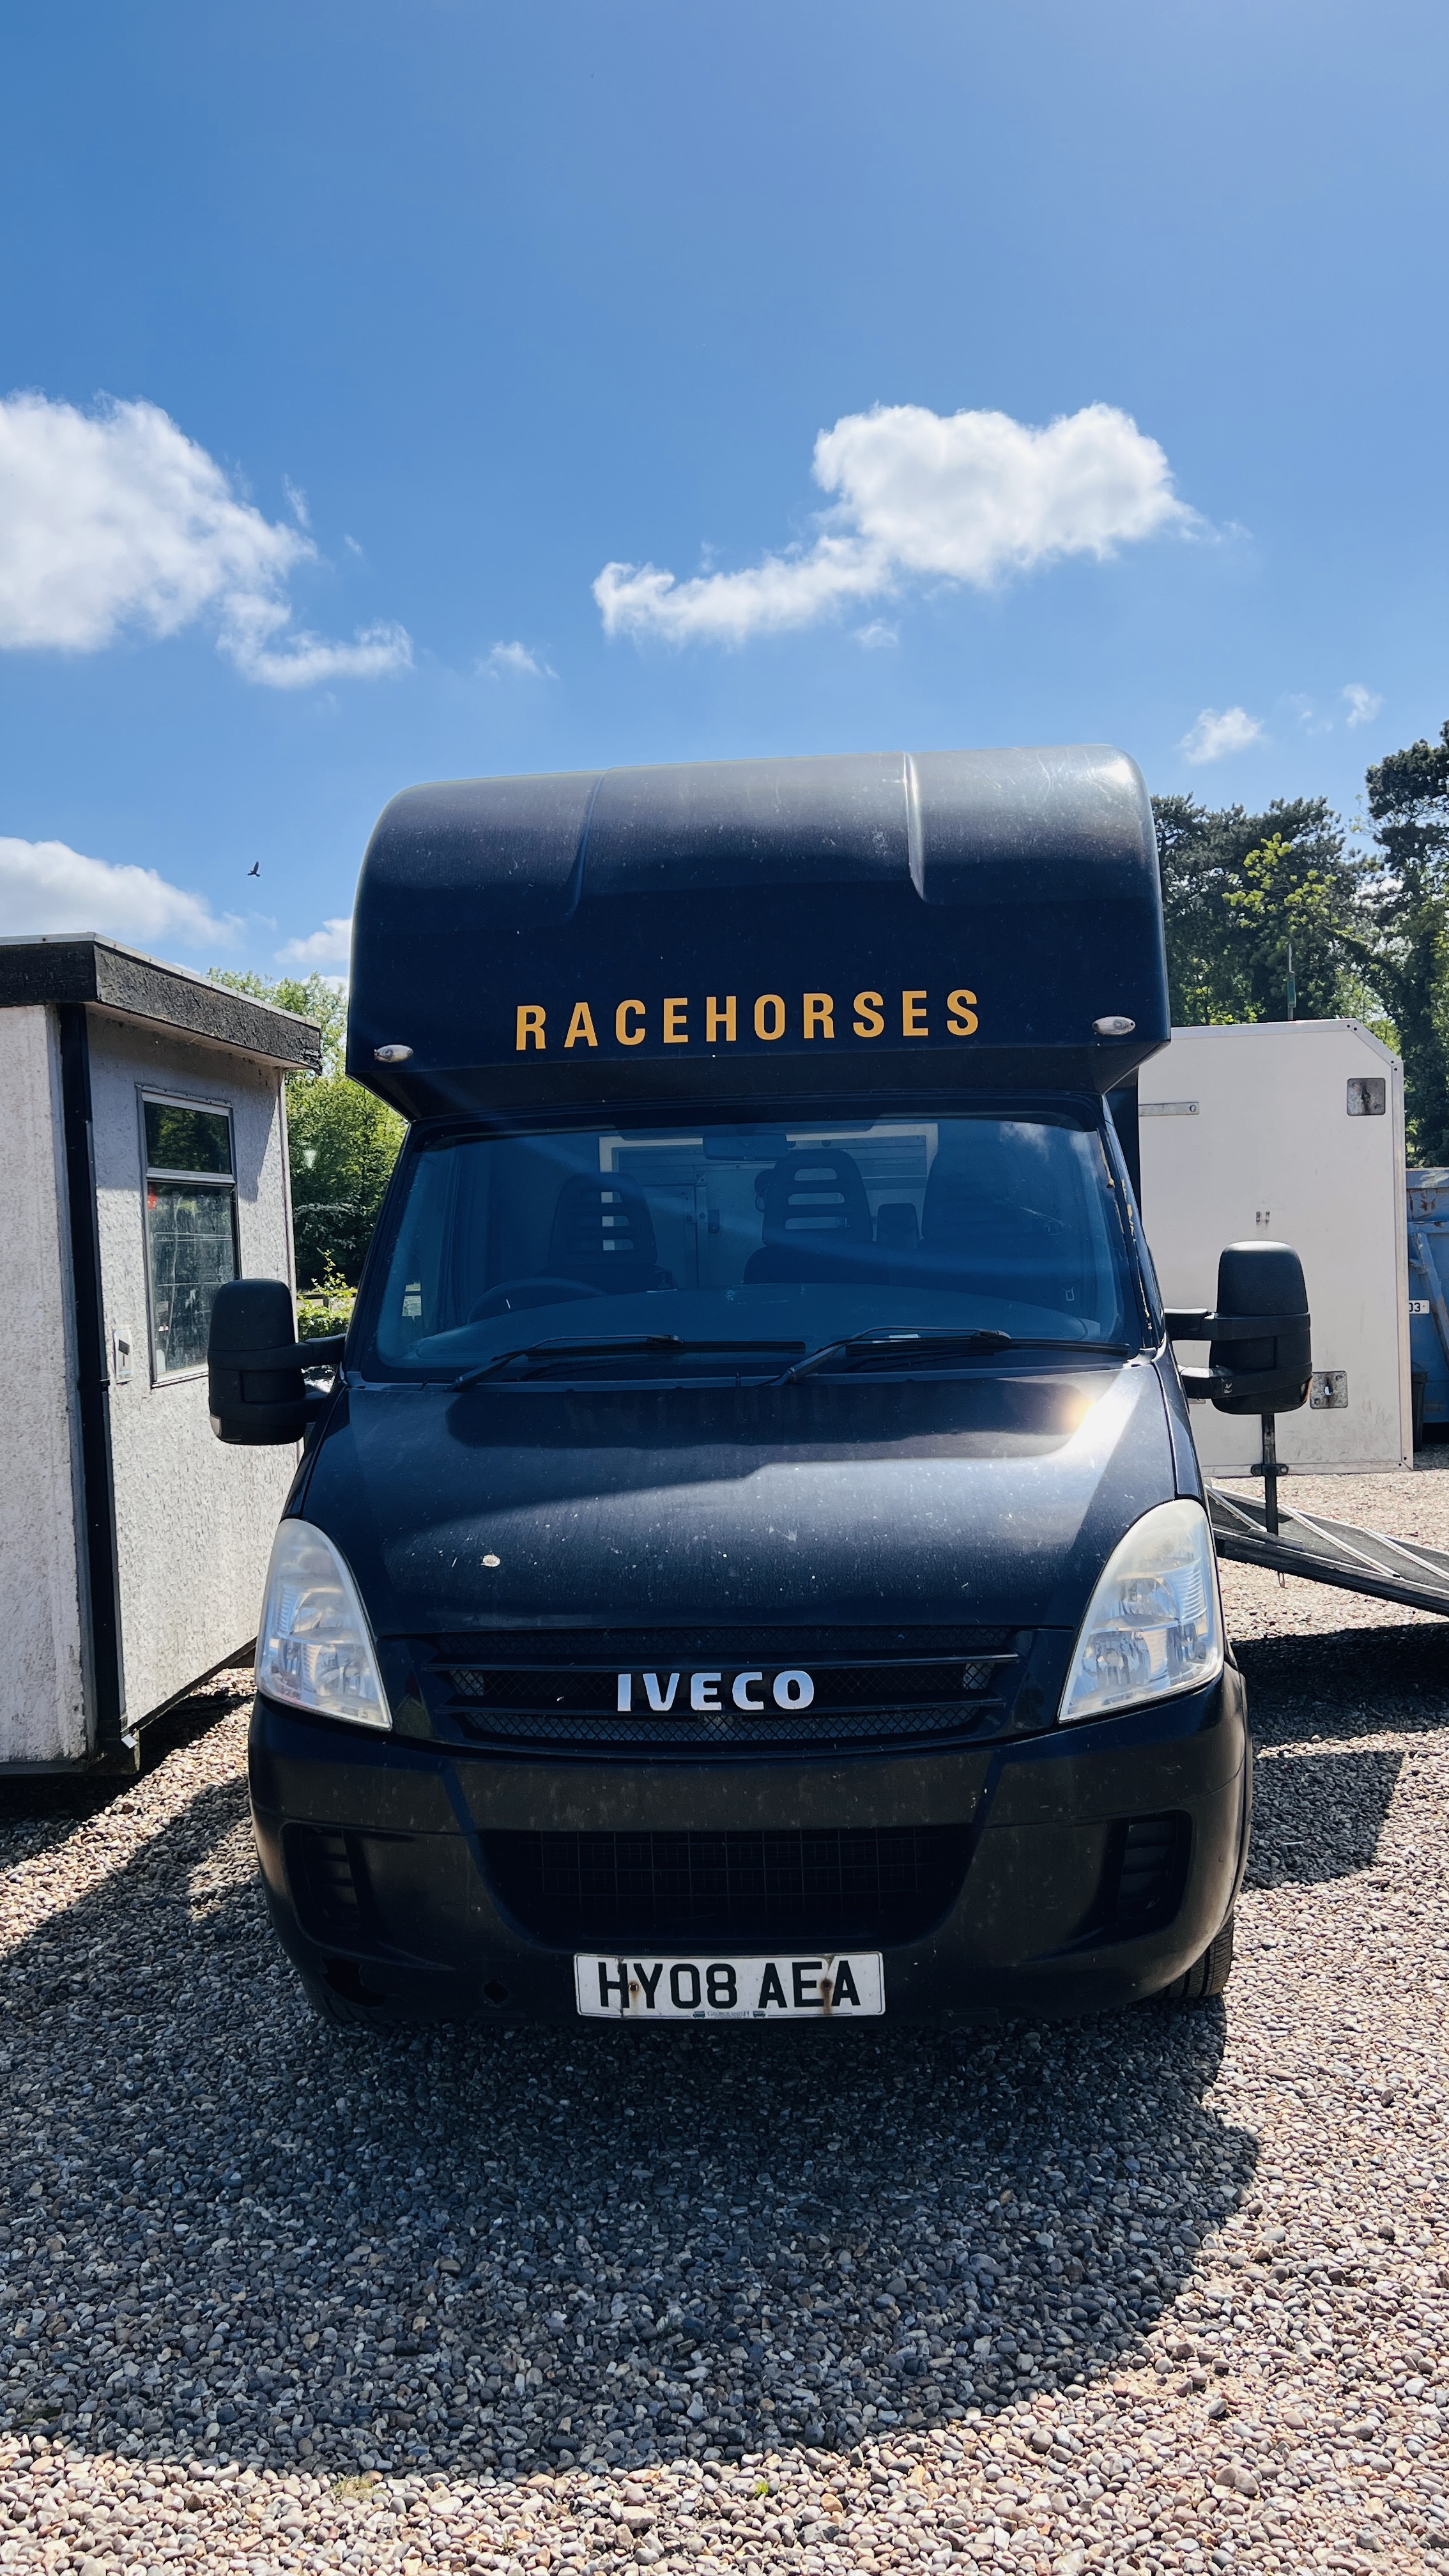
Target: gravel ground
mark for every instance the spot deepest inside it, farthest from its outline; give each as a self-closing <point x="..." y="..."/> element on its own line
<point x="1169" y="2290"/>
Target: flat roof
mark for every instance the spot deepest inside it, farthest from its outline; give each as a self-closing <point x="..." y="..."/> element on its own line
<point x="82" y="966"/>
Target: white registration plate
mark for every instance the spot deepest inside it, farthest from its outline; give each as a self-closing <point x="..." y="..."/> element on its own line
<point x="834" y="1985"/>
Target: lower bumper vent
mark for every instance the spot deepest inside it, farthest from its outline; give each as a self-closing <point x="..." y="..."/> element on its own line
<point x="1147" y="1873"/>
<point x="679" y="1890"/>
<point x="325" y="1876"/>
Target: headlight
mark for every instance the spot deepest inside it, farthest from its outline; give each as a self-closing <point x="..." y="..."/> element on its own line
<point x="314" y="1646"/>
<point x="1154" y="1624"/>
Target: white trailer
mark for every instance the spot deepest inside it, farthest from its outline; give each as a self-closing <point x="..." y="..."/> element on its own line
<point x="143" y="1159"/>
<point x="1290" y="1131"/>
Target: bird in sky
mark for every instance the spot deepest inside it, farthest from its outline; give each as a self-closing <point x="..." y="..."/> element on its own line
<point x="255" y="870"/>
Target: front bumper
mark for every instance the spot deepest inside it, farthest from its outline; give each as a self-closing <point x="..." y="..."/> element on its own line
<point x="376" y="1852"/>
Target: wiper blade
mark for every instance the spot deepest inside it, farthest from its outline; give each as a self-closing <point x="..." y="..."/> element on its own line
<point x="612" y="1346"/>
<point x="892" y="1344"/>
<point x="913" y="1345"/>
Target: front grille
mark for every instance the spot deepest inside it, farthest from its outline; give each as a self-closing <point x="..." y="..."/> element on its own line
<point x="543" y="1688"/>
<point x="684" y="1890"/>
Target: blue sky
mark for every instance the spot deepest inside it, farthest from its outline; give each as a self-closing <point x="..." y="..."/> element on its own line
<point x="420" y="316"/>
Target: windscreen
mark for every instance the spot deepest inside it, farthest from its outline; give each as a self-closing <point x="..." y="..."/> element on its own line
<point x="777" y="1236"/>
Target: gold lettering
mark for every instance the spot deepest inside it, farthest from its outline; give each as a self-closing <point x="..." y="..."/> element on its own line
<point x="867" y="1022"/>
<point x="961" y="1020"/>
<point x="720" y="1015"/>
<point x="819" y="1011"/>
<point x="581" y="1027"/>
<point x="769" y="1006"/>
<point x="529" y="1031"/>
<point x="676" y="1032"/>
<point x="913" y="1016"/>
<point x="626" y="1035"/>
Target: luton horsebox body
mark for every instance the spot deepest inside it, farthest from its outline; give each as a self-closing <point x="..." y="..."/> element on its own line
<point x="767" y="930"/>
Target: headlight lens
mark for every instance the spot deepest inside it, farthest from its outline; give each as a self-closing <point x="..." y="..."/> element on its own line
<point x="1155" y="1622"/>
<point x="314" y="1647"/>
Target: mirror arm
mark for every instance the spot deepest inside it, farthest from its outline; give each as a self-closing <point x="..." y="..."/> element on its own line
<point x="1204" y="1386"/>
<point x="325" y="1352"/>
<point x="1197" y="1324"/>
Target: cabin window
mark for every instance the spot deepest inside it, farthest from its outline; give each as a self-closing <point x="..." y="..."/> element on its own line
<point x="191" y="1240"/>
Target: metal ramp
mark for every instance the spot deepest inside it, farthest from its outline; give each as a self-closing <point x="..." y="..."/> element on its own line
<point x="1323" y="1551"/>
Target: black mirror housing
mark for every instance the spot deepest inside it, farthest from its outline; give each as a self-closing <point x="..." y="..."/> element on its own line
<point x="1269" y="1375"/>
<point x="256" y="1393"/>
<point x="1260" y="1359"/>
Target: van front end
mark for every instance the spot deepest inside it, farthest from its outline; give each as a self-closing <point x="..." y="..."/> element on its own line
<point x="1047" y="1875"/>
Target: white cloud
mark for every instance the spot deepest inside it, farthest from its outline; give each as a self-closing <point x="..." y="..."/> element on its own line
<point x="252" y="633"/>
<point x="1363" y="704"/>
<point x="114" y="521"/>
<point x="970" y="498"/>
<point x="878" y="636"/>
<point x="516" y="660"/>
<point x="46" y="886"/>
<point x="1215" y="735"/>
<point x="329" y="946"/>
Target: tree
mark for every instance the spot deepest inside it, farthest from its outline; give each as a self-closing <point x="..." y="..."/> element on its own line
<point x="1237" y="890"/>
<point x="1401" y="940"/>
<point x="1287" y="917"/>
<point x="342" y="1140"/>
<point x="1199" y="977"/>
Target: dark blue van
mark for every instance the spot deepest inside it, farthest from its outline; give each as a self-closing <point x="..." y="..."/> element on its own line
<point x="750" y="1562"/>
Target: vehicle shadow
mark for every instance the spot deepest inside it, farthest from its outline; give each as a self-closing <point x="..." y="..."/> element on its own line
<point x="1318" y="1816"/>
<point x="1318" y="1812"/>
<point x="1347" y="1681"/>
<point x="231" y="2230"/>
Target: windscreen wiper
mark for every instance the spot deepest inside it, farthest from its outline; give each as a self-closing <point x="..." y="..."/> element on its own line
<point x="610" y="1346"/>
<point x="890" y="1345"/>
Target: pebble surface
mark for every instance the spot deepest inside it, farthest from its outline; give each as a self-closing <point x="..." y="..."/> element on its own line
<point x="1163" y="2291"/>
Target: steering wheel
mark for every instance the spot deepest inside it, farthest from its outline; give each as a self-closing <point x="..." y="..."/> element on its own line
<point x="515" y="1296"/>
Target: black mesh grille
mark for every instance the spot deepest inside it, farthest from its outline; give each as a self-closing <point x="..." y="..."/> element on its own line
<point x="722" y="1727"/>
<point x="596" y="1891"/>
<point x="564" y="1689"/>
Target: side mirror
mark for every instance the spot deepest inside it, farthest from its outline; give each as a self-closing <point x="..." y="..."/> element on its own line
<point x="255" y="1389"/>
<point x="1260" y="1359"/>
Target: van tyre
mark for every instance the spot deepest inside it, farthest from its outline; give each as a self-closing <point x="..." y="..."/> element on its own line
<point x="339" y="2010"/>
<point x="1207" y="1976"/>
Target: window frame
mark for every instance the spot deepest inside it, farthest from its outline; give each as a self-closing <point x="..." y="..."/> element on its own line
<point x="150" y="1095"/>
<point x="1082" y="1112"/>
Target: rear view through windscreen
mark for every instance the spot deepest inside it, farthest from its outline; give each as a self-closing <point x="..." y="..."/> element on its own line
<point x="766" y="1232"/>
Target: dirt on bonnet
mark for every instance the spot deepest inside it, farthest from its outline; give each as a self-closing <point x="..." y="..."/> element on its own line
<point x="1164" y="2291"/>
